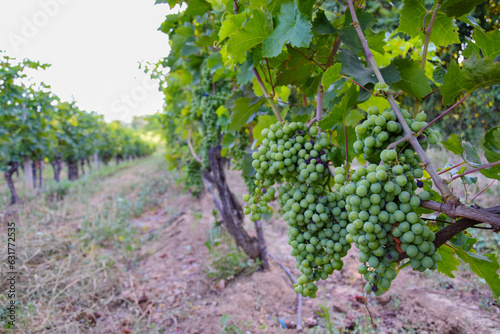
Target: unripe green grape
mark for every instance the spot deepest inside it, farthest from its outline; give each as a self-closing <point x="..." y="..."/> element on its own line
<point x="424" y="195"/>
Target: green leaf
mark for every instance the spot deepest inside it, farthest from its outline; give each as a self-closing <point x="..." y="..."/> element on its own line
<point x="491" y="144"/>
<point x="454" y="144"/>
<point x="457" y="8"/>
<point x="230" y="25"/>
<point x="256" y="30"/>
<point x="348" y="33"/>
<point x="444" y="31"/>
<point x="449" y="263"/>
<point x="263" y="122"/>
<point x="321" y="25"/>
<point x="339" y="113"/>
<point x="485" y="267"/>
<point x="197" y="7"/>
<point x="352" y="66"/>
<point x="291" y="28"/>
<point x="476" y="73"/>
<point x="331" y="75"/>
<point x="376" y="41"/>
<point x="412" y="17"/>
<point x="354" y="117"/>
<point x="470" y="155"/>
<point x="243" y="108"/>
<point x="489" y="42"/>
<point x="306" y="7"/>
<point x="247" y="169"/>
<point x="351" y="138"/>
<point x="414" y="82"/>
<point x="295" y="70"/>
<point x="453" y="83"/>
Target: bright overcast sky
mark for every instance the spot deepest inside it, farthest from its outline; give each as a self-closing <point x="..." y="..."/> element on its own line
<point x="94" y="47"/>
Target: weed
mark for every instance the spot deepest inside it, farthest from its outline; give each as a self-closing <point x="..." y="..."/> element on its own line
<point x="325" y="314"/>
<point x="228" y="327"/>
<point x="226" y="260"/>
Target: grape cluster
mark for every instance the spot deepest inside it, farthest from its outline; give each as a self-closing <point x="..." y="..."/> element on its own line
<point x="211" y="96"/>
<point x="382" y="128"/>
<point x="381" y="204"/>
<point x="192" y="177"/>
<point x="298" y="157"/>
<point x="374" y="207"/>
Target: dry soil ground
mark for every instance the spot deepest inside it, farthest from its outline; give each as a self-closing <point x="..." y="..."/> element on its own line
<point x="163" y="287"/>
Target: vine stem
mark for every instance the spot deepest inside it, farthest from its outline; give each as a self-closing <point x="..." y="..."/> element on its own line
<point x="482" y="191"/>
<point x="346" y="152"/>
<point x="191" y="149"/>
<point x="267" y="96"/>
<point x="475" y="170"/>
<point x="452" y="210"/>
<point x="448" y="169"/>
<point x="319" y="104"/>
<point x="438" y="182"/>
<point x="443" y="114"/>
<point x="428" y="32"/>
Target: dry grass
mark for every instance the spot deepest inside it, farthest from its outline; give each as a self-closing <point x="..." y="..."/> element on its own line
<point x="72" y="255"/>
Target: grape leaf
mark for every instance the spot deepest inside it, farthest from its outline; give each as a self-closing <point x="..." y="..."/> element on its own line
<point x="491" y="145"/>
<point x="331" y="75"/>
<point x="352" y="66"/>
<point x="413" y="81"/>
<point x="348" y="33"/>
<point x="376" y="41"/>
<point x="485" y="267"/>
<point x="457" y="8"/>
<point x="449" y="263"/>
<point x="291" y="28"/>
<point x="256" y="30"/>
<point x="475" y="73"/>
<point x="470" y="155"/>
<point x="454" y="144"/>
<point x="242" y="109"/>
<point x="444" y="31"/>
<point x="412" y="17"/>
<point x="263" y="122"/>
<point x="354" y="117"/>
<point x="197" y="7"/>
<point x="351" y="138"/>
<point x="247" y="169"/>
<point x="339" y="113"/>
<point x="321" y="25"/>
<point x="230" y="25"/>
<point x="306" y="7"/>
<point x="295" y="70"/>
<point x="489" y="42"/>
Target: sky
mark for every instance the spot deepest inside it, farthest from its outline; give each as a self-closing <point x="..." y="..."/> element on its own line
<point x="94" y="47"/>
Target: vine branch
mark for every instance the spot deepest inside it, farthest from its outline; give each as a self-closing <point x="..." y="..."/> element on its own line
<point x="438" y="182"/>
<point x="443" y="114"/>
<point x="482" y="191"/>
<point x="475" y="170"/>
<point x="191" y="149"/>
<point x="480" y="216"/>
<point x="267" y="96"/>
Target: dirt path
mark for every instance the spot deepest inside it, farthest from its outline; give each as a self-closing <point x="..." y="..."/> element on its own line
<point x="171" y="287"/>
<point x="151" y="272"/>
